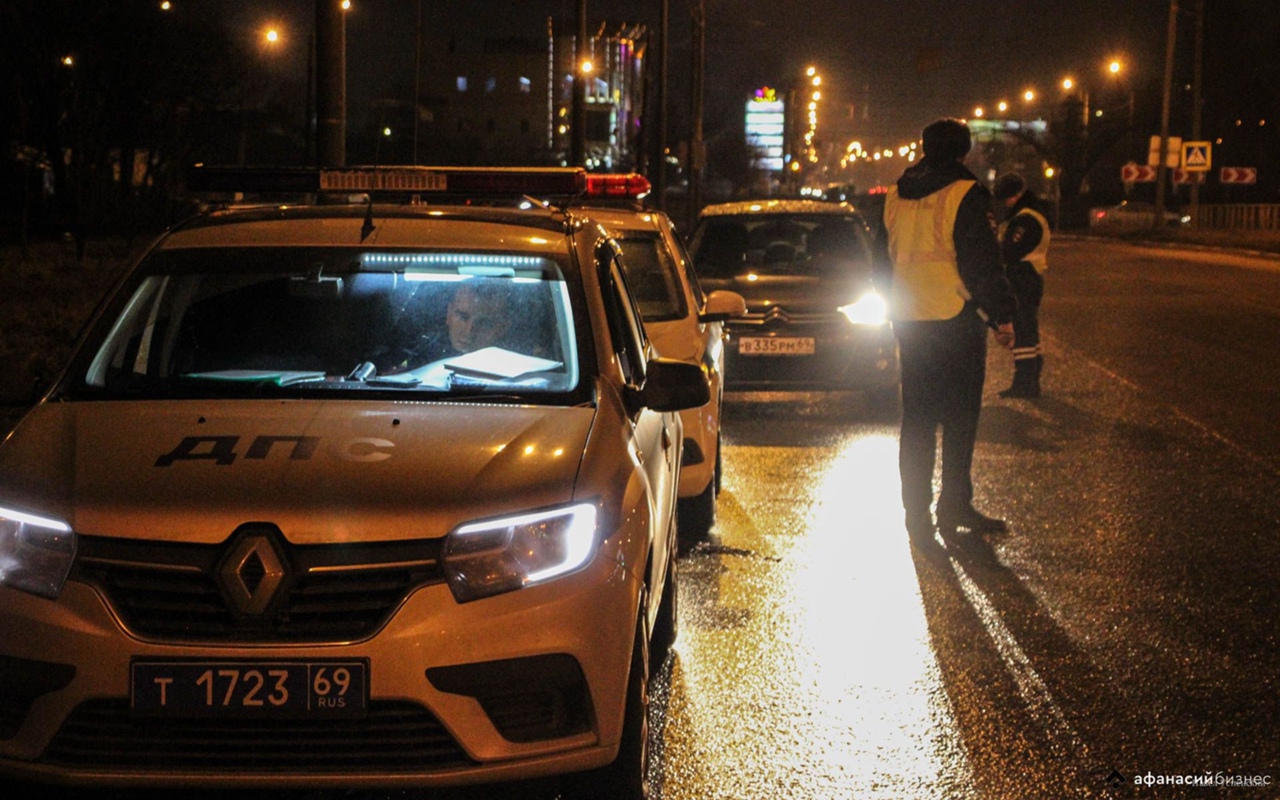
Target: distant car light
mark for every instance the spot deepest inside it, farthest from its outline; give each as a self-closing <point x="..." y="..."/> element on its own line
<point x="489" y="558"/>
<point x="870" y="309"/>
<point x="35" y="552"/>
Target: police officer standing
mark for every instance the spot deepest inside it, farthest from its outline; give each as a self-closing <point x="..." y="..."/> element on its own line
<point x="1024" y="246"/>
<point x="940" y="261"/>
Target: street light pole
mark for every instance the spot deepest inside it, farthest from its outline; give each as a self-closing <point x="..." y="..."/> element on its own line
<point x="331" y="84"/>
<point x="697" y="158"/>
<point x="658" y="169"/>
<point x="1162" y="169"/>
<point x="1195" y="111"/>
<point x="578" y="121"/>
<point x="417" y="80"/>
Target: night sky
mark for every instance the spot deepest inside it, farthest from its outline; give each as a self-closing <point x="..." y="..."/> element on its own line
<point x="888" y="66"/>
<point x="898" y="63"/>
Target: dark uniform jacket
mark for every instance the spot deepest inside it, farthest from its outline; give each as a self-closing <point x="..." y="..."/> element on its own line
<point x="977" y="249"/>
<point x="1023" y="233"/>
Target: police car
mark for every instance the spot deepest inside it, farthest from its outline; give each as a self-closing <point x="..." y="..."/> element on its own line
<point x="279" y="523"/>
<point x="683" y="322"/>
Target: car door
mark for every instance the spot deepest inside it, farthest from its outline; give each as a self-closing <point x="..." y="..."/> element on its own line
<point x="657" y="435"/>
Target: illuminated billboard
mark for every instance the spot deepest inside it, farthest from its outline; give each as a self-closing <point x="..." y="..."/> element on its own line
<point x="766" y="130"/>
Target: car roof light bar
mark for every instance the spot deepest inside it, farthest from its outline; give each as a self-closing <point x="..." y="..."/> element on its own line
<point x="617" y="185"/>
<point x="471" y="181"/>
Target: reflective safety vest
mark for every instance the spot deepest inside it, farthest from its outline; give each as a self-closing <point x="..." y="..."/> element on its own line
<point x="1039" y="257"/>
<point x="926" y="280"/>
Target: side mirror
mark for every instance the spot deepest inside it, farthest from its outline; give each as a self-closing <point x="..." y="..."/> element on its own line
<point x="723" y="304"/>
<point x="673" y="385"/>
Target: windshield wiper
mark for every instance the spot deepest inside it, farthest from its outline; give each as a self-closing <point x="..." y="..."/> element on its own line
<point x="256" y="376"/>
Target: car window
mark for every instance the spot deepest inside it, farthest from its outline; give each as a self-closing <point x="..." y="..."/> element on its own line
<point x="630" y="344"/>
<point x="653" y="279"/>
<point x="686" y="264"/>
<point x="791" y="244"/>
<point x="219" y="321"/>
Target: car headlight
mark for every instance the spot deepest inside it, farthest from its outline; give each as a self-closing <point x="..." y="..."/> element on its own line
<point x="487" y="558"/>
<point x="870" y="309"/>
<point x="35" y="552"/>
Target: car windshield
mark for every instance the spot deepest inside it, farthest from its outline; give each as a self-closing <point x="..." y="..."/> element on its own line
<point x="652" y="278"/>
<point x="792" y="244"/>
<point x="217" y="322"/>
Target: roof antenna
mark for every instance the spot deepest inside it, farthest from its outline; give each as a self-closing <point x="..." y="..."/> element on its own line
<point x="368" y="227"/>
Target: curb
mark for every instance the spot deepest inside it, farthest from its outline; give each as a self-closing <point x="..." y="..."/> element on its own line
<point x="1270" y="255"/>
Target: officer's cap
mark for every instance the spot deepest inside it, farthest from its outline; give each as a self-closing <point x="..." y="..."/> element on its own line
<point x="946" y="139"/>
<point x="1009" y="185"/>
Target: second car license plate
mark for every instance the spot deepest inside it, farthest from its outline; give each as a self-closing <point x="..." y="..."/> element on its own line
<point x="267" y="689"/>
<point x="776" y="346"/>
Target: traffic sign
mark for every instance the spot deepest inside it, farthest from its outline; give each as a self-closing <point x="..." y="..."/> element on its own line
<point x="1238" y="175"/>
<point x="1187" y="176"/>
<point x="1137" y="173"/>
<point x="1172" y="156"/>
<point x="1196" y="156"/>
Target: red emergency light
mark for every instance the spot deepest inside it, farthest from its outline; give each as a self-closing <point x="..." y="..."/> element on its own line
<point x="631" y="185"/>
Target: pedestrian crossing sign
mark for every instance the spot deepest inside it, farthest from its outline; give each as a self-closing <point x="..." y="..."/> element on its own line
<point x="1196" y="156"/>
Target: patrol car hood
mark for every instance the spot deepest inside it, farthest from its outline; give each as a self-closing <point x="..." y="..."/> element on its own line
<point x="321" y="471"/>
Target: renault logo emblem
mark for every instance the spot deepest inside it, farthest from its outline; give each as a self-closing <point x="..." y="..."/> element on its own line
<point x="251" y="574"/>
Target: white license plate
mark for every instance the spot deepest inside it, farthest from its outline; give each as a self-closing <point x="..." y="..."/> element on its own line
<point x="776" y="346"/>
<point x="330" y="689"/>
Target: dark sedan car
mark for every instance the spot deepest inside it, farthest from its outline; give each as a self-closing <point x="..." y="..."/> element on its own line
<point x="814" y="321"/>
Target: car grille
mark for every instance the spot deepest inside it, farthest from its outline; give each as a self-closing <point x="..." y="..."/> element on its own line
<point x="396" y="736"/>
<point x="170" y="591"/>
<point x="777" y="317"/>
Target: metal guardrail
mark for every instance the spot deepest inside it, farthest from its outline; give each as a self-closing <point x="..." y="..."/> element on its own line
<point x="1239" y="216"/>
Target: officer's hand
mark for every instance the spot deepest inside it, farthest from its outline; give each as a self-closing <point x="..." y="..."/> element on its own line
<point x="1004" y="335"/>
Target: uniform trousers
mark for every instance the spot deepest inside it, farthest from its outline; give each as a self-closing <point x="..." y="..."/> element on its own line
<point x="1028" y="287"/>
<point x="943" y="369"/>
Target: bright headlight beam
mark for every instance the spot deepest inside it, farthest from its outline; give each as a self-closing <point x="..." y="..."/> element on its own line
<point x="482" y="559"/>
<point x="870" y="309"/>
<point x="36" y="552"/>
<point x="579" y="539"/>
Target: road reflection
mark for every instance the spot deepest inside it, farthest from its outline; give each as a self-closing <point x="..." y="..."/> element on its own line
<point x="804" y="664"/>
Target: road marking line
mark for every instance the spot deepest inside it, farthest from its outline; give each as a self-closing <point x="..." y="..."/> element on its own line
<point x="1063" y="739"/>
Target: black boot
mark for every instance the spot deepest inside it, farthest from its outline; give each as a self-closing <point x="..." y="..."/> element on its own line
<point x="1026" y="379"/>
<point x="968" y="518"/>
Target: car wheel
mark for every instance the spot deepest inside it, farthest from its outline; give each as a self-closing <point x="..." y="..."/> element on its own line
<point x="627" y="777"/>
<point x="667" y="626"/>
<point x="696" y="515"/>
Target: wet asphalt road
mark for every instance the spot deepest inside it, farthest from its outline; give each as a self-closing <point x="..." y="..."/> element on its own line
<point x="1125" y="628"/>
